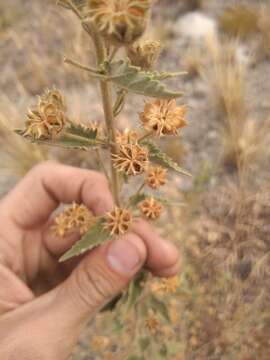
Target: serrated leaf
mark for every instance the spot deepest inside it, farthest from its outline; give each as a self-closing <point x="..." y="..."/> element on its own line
<point x="81" y="131"/>
<point x="144" y="343"/>
<point x="160" y="307"/>
<point x="133" y="79"/>
<point x="162" y="158"/>
<point x="96" y="236"/>
<point x="79" y="3"/>
<point x="75" y="136"/>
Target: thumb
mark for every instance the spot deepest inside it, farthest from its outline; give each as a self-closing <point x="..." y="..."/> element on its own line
<point x="55" y="319"/>
<point x="100" y="276"/>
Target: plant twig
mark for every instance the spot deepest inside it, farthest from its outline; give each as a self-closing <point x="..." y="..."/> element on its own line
<point x="94" y="72"/>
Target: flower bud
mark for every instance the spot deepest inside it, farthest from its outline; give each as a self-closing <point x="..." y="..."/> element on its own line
<point x="144" y="54"/>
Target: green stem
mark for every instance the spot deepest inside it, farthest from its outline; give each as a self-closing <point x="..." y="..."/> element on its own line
<point x="108" y="113"/>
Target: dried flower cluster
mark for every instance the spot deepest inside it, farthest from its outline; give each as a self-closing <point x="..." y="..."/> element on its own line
<point x="166" y="286"/>
<point x="156" y="177"/>
<point x="151" y="208"/>
<point x="74" y="218"/>
<point x="152" y="324"/>
<point x="163" y="117"/>
<point x="118" y="221"/>
<point x="121" y="21"/>
<point x="49" y="119"/>
<point x="131" y="159"/>
<point x="100" y="343"/>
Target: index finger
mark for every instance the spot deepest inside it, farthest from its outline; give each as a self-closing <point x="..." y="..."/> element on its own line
<point x="49" y="184"/>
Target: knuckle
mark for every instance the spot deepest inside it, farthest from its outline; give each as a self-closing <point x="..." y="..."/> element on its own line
<point x="43" y="167"/>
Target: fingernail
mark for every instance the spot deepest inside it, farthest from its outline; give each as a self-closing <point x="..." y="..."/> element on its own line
<point x="123" y="256"/>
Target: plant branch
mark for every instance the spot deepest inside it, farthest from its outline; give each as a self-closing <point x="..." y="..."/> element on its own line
<point x="94" y="72"/>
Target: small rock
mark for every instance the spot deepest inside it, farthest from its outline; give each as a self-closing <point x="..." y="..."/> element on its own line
<point x="196" y="26"/>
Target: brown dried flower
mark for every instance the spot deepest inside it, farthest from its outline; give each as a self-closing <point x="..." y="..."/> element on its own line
<point x="49" y="119"/>
<point x="166" y="286"/>
<point x="144" y="54"/>
<point x="118" y="221"/>
<point x="126" y="137"/>
<point x="132" y="159"/>
<point x="156" y="177"/>
<point x="100" y="343"/>
<point x="152" y="324"/>
<point x="163" y="117"/>
<point x="151" y="208"/>
<point x="122" y="21"/>
<point x="74" y="218"/>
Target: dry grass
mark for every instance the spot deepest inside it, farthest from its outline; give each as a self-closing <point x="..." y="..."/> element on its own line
<point x="193" y="61"/>
<point x="17" y="156"/>
<point x="264" y="27"/>
<point x="240" y="21"/>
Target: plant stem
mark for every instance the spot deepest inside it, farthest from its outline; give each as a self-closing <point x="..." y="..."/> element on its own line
<point x="105" y="88"/>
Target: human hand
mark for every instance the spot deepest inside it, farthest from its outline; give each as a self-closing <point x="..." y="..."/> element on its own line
<point x="44" y="304"/>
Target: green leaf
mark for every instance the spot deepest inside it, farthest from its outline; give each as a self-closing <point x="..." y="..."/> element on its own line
<point x="163" y="352"/>
<point x="144" y="343"/>
<point x="79" y="3"/>
<point x="162" y="158"/>
<point x="112" y="304"/>
<point x="134" y="357"/>
<point x="160" y="307"/>
<point x="135" y="290"/>
<point x="95" y="237"/>
<point x="133" y="79"/>
<point x="75" y="136"/>
<point x="136" y="199"/>
<point x="169" y="203"/>
<point x="81" y="131"/>
<point x="117" y="325"/>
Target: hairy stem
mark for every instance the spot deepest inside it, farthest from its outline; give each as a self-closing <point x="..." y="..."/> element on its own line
<point x="108" y="113"/>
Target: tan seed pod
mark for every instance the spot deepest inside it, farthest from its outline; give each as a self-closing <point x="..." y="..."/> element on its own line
<point x="52" y="97"/>
<point x="151" y="208"/>
<point x="163" y="117"/>
<point x="156" y="177"/>
<point x="131" y="159"/>
<point x="48" y="120"/>
<point x="144" y="54"/>
<point x="118" y="221"/>
<point x="121" y="21"/>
